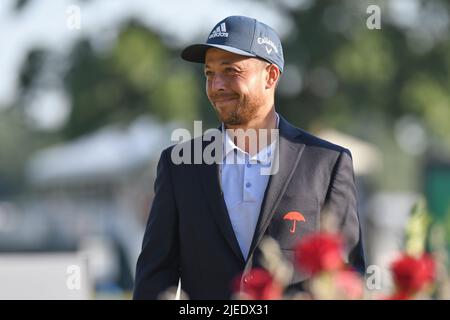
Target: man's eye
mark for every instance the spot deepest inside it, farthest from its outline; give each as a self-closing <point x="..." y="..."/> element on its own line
<point x="230" y="70"/>
<point x="208" y="73"/>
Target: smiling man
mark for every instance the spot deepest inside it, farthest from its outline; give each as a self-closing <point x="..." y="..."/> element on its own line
<point x="207" y="221"/>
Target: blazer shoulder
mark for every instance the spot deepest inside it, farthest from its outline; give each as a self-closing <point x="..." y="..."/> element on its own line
<point x="313" y="141"/>
<point x="181" y="147"/>
<point x="185" y="144"/>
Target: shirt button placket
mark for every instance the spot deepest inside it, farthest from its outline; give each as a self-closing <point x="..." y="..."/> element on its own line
<point x="247" y="183"/>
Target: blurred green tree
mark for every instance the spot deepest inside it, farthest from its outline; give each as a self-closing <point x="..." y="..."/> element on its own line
<point x="351" y="73"/>
<point x="136" y="77"/>
<point x="344" y="75"/>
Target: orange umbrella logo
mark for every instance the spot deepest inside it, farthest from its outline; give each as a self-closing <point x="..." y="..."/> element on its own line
<point x="294" y="216"/>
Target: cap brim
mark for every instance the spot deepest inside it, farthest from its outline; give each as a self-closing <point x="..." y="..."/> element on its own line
<point x="197" y="52"/>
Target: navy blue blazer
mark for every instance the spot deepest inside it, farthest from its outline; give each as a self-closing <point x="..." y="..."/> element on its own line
<point x="189" y="234"/>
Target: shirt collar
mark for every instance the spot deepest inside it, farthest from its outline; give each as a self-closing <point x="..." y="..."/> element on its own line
<point x="264" y="156"/>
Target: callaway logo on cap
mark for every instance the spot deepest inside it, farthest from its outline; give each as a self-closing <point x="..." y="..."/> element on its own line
<point x="241" y="35"/>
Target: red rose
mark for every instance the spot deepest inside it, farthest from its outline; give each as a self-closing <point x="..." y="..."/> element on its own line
<point x="319" y="252"/>
<point x="258" y="284"/>
<point x="412" y="274"/>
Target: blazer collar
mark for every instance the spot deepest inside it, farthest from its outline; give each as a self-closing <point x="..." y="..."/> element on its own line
<point x="289" y="154"/>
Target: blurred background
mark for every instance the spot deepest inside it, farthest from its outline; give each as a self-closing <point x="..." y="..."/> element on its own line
<point x="90" y="92"/>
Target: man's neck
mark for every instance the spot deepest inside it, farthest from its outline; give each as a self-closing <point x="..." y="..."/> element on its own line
<point x="241" y="138"/>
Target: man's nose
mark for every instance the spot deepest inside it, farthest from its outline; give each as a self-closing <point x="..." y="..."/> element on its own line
<point x="218" y="83"/>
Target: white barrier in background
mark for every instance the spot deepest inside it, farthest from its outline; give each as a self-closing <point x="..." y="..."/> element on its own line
<point x="44" y="276"/>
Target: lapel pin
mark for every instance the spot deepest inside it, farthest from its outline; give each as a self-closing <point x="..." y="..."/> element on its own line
<point x="294" y="216"/>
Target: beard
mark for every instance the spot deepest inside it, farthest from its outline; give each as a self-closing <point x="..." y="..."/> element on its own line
<point x="240" y="112"/>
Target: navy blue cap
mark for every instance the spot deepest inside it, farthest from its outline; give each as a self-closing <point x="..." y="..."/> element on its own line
<point x="241" y="35"/>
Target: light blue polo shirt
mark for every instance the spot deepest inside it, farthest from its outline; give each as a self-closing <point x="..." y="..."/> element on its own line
<point x="243" y="187"/>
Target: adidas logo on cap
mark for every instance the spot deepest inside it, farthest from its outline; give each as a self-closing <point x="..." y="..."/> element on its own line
<point x="220" y="31"/>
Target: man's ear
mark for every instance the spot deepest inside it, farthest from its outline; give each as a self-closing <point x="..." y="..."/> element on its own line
<point x="273" y="75"/>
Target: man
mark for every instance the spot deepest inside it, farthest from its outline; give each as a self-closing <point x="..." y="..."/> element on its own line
<point x="207" y="220"/>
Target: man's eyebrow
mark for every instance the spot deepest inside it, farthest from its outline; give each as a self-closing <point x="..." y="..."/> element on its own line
<point x="222" y="63"/>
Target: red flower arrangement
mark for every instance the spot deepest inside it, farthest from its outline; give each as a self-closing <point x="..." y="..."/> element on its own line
<point x="258" y="284"/>
<point x="319" y="252"/>
<point x="321" y="255"/>
<point x="411" y="275"/>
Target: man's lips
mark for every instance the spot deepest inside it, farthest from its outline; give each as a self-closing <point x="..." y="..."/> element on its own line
<point x="224" y="99"/>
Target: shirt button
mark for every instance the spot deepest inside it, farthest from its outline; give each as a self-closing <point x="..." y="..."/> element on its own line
<point x="248" y="184"/>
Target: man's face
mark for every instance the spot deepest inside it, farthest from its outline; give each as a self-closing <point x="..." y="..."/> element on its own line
<point x="235" y="85"/>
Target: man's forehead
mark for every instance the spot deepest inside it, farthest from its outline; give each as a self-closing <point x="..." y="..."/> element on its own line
<point x="219" y="55"/>
<point x="216" y="56"/>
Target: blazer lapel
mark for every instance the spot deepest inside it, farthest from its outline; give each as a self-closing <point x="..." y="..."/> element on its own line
<point x="289" y="156"/>
<point x="210" y="181"/>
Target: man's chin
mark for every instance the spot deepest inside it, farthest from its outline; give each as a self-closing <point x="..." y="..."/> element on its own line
<point x="232" y="120"/>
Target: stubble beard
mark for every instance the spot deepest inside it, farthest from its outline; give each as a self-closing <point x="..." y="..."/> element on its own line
<point x="241" y="113"/>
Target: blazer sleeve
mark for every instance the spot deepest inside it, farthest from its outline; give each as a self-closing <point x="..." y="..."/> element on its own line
<point x="341" y="202"/>
<point x="157" y="267"/>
